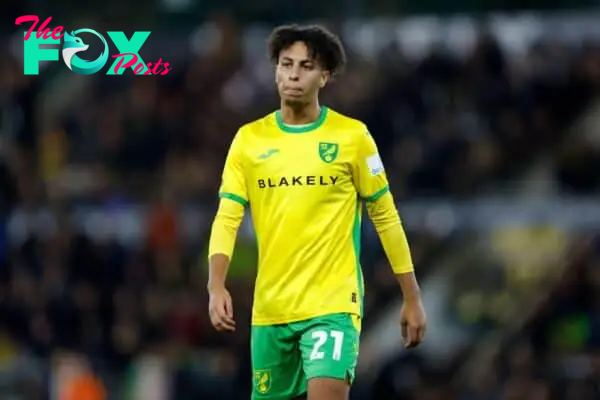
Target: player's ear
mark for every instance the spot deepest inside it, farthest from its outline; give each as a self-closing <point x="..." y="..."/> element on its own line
<point x="276" y="70"/>
<point x="276" y="73"/>
<point x="325" y="75"/>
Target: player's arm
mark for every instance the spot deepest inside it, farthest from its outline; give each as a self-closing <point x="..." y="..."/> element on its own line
<point x="372" y="185"/>
<point x="222" y="240"/>
<point x="233" y="200"/>
<point x="384" y="215"/>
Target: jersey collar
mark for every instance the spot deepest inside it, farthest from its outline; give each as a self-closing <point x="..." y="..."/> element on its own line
<point x="301" y="129"/>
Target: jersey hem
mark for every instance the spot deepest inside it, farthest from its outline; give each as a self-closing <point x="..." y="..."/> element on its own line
<point x="300" y="317"/>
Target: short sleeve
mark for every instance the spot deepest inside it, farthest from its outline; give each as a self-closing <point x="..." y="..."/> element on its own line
<point x="233" y="183"/>
<point x="368" y="172"/>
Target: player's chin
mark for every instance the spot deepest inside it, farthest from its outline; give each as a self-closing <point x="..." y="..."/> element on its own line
<point x="293" y="101"/>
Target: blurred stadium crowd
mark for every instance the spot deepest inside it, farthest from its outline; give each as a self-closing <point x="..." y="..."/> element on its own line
<point x="133" y="305"/>
<point x="554" y="354"/>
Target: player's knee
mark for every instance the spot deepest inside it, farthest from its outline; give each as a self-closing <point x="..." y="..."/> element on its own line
<point x="328" y="389"/>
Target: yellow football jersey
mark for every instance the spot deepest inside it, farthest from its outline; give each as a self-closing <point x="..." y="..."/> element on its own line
<point x="304" y="187"/>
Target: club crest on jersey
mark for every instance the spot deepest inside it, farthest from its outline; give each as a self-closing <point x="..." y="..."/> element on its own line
<point x="262" y="380"/>
<point x="328" y="151"/>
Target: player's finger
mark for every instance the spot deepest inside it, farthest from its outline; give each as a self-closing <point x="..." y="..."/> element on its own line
<point x="219" y="318"/>
<point x="226" y="325"/>
<point x="404" y="327"/>
<point x="216" y="322"/>
<point x="224" y="316"/>
<point x="421" y="333"/>
<point x="221" y="323"/>
<point x="229" y="307"/>
<point x="412" y="337"/>
<point x="213" y="317"/>
<point x="225" y="319"/>
<point x="228" y="322"/>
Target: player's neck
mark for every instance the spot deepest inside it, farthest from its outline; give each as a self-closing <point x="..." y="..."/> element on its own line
<point x="301" y="115"/>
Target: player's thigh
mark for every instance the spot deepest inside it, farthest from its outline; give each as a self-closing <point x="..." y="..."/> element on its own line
<point x="328" y="389"/>
<point x="276" y="363"/>
<point x="329" y="347"/>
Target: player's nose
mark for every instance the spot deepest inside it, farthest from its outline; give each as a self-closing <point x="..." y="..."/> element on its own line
<point x="294" y="74"/>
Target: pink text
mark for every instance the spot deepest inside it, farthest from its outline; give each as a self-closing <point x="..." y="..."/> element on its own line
<point x="138" y="69"/>
<point x="42" y="30"/>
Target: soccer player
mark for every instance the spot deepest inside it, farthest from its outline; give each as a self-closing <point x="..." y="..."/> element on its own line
<point x="304" y="172"/>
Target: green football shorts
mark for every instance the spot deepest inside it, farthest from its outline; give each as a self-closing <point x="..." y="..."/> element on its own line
<point x="286" y="356"/>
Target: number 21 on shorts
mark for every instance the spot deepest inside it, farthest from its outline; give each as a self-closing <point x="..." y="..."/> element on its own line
<point x="321" y="338"/>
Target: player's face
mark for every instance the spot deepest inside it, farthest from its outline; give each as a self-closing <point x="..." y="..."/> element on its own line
<point x="298" y="76"/>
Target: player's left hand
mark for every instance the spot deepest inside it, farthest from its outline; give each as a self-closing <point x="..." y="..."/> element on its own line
<point x="413" y="322"/>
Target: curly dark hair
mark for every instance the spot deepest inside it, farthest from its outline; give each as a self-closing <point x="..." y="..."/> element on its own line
<point x="323" y="46"/>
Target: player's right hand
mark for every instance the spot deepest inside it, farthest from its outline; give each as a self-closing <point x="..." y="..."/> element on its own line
<point x="220" y="310"/>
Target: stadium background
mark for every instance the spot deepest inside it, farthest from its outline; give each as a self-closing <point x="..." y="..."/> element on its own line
<point x="487" y="123"/>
